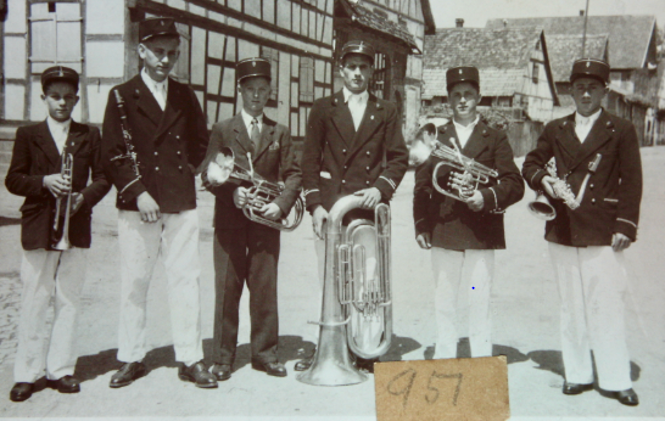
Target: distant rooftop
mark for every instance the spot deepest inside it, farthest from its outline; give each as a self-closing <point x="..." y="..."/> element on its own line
<point x="629" y="35"/>
<point x="563" y="50"/>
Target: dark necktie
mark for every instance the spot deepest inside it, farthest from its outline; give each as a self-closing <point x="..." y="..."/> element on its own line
<point x="255" y="134"/>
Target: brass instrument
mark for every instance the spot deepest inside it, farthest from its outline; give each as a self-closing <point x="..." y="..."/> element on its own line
<point x="542" y="209"/>
<point x="261" y="193"/>
<point x="66" y="171"/>
<point x="357" y="309"/>
<point x="474" y="173"/>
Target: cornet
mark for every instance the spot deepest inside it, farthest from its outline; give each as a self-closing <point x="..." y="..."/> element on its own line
<point x="66" y="172"/>
<point x="474" y="173"/>
<point x="260" y="194"/>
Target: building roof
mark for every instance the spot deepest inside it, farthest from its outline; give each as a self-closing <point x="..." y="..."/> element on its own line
<point x="629" y="35"/>
<point x="376" y="22"/>
<point x="563" y="50"/>
<point x="501" y="57"/>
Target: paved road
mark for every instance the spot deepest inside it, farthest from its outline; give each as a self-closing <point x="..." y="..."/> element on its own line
<point x="524" y="304"/>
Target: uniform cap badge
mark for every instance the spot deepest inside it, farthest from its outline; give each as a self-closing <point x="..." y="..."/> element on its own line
<point x="253" y="64"/>
<point x="460" y="71"/>
<point x="588" y="64"/>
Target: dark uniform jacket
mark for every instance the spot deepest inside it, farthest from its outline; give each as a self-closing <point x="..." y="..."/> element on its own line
<point x="612" y="199"/>
<point x="450" y="222"/>
<point x="170" y="145"/>
<point x="274" y="160"/>
<point x="338" y="161"/>
<point x="35" y="156"/>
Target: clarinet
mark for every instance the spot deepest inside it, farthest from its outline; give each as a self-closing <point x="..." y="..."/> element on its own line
<point x="127" y="137"/>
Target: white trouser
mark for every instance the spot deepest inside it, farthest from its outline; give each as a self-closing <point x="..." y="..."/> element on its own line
<point x="473" y="269"/>
<point x="44" y="349"/>
<point x="176" y="237"/>
<point x="592" y="283"/>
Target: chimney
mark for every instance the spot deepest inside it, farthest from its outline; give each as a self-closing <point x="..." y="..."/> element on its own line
<point x="581" y="12"/>
<point x="459" y="23"/>
<point x="505" y="23"/>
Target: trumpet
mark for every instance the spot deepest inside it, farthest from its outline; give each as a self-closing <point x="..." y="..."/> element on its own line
<point x="66" y="171"/>
<point x="260" y="194"/>
<point x="356" y="313"/>
<point x="474" y="173"/>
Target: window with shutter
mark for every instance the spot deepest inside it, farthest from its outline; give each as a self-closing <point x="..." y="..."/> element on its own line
<point x="272" y="56"/>
<point x="55" y="35"/>
<point x="306" y="80"/>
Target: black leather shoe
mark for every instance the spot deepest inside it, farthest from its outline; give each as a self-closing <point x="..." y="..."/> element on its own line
<point x="66" y="384"/>
<point x="367" y="365"/>
<point x="274" y="368"/>
<point x="221" y="371"/>
<point x="21" y="391"/>
<point x="127" y="374"/>
<point x="304" y="364"/>
<point x="197" y="374"/>
<point x="627" y="397"/>
<point x="576" y="388"/>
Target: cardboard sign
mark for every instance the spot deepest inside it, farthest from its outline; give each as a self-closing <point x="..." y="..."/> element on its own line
<point x="453" y="389"/>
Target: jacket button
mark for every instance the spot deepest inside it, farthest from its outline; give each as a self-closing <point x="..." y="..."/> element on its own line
<point x="367" y="182"/>
<point x="367" y="168"/>
<point x="178" y="152"/>
<point x="177" y="137"/>
<point x="156" y="153"/>
<point x="343" y="181"/>
<point x="156" y="168"/>
<point x="367" y="153"/>
<point x="343" y="150"/>
<point x="346" y="167"/>
<point x="180" y="167"/>
<point x="593" y="201"/>
<point x="591" y="186"/>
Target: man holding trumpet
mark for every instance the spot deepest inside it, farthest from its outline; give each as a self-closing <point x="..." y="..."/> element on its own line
<point x="51" y="164"/>
<point x="246" y="251"/>
<point x="597" y="154"/>
<point x="462" y="234"/>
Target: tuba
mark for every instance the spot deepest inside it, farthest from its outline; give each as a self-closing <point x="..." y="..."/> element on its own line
<point x="356" y="313"/>
<point x="474" y="173"/>
<point x="261" y="193"/>
<point x="66" y="171"/>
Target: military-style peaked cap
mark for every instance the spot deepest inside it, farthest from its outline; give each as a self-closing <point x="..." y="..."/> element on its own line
<point x="358" y="47"/>
<point x="253" y="67"/>
<point x="591" y="67"/>
<point x="462" y="74"/>
<point x="60" y="74"/>
<point x="153" y="27"/>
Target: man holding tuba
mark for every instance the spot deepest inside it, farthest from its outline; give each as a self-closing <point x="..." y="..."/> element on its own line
<point x="51" y="164"/>
<point x="463" y="233"/>
<point x="246" y="251"/>
<point x="353" y="146"/>
<point x="599" y="153"/>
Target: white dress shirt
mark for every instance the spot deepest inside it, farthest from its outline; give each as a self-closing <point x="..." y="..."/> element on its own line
<point x="357" y="105"/>
<point x="160" y="90"/>
<point x="583" y="124"/>
<point x="464" y="132"/>
<point x="59" y="131"/>
<point x="247" y="119"/>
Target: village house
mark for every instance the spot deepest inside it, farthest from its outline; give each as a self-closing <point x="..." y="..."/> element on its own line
<point x="632" y="53"/>
<point x="98" y="38"/>
<point x="516" y="81"/>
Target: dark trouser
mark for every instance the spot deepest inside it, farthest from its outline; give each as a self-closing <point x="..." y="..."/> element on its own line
<point x="249" y="254"/>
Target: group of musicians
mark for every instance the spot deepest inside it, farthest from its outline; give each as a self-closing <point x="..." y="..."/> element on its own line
<point x="155" y="141"/>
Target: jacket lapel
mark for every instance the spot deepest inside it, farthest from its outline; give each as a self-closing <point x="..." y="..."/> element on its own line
<point x="599" y="134"/>
<point x="47" y="144"/>
<point x="146" y="102"/>
<point x="342" y="119"/>
<point x="372" y="119"/>
<point x="241" y="135"/>
<point x="75" y="139"/>
<point x="477" y="141"/>
<point x="568" y="142"/>
<point x="447" y="135"/>
<point x="266" y="137"/>
<point x="173" y="109"/>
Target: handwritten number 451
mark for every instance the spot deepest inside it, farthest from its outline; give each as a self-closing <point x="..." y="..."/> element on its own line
<point x="432" y="394"/>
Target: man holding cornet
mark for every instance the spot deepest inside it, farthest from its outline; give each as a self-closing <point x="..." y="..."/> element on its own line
<point x="463" y="226"/>
<point x="597" y="156"/>
<point x="354" y="145"/>
<point x="245" y="151"/>
<point x="51" y="164"/>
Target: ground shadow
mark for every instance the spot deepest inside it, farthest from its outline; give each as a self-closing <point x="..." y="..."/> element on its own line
<point x="464" y="351"/>
<point x="399" y="346"/>
<point x="9" y="221"/>
<point x="551" y="360"/>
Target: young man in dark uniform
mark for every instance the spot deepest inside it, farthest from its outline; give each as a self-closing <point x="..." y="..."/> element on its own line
<point x="598" y="155"/>
<point x="245" y="250"/>
<point x="36" y="173"/>
<point x="157" y="206"/>
<point x="354" y="145"/>
<point x="463" y="235"/>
